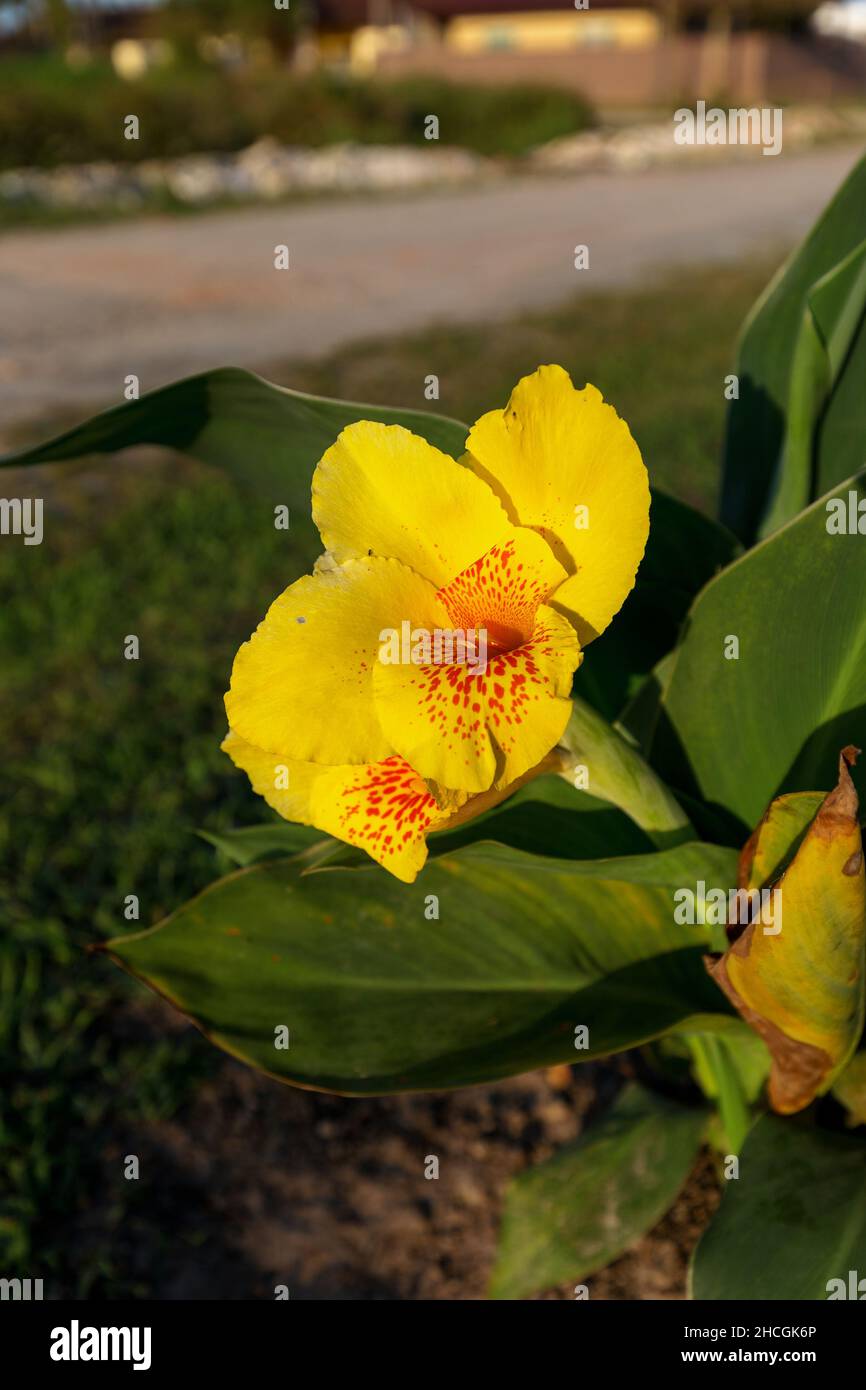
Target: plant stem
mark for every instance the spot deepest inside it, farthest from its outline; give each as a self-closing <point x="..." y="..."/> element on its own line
<point x="721" y="1082"/>
<point x="598" y="758"/>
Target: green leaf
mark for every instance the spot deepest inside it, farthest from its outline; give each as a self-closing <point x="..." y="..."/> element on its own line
<point x="794" y="1219"/>
<point x="685" y="549"/>
<point x="275" y="839"/>
<point x="267" y="437"/>
<point x="737" y="732"/>
<point x="839" y="449"/>
<point x="641" y="721"/>
<point x="550" y="817"/>
<point x="834" y="309"/>
<point x="547" y="816"/>
<point x="380" y="995"/>
<point x="759" y="419"/>
<point x="582" y="1208"/>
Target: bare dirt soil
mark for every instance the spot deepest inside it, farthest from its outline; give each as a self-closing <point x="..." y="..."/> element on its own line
<point x="254" y="1184"/>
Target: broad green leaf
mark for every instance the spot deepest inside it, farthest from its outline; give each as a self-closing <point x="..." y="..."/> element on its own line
<point x="267" y="437"/>
<point x="642" y="724"/>
<point x="639" y="719"/>
<point x="737" y="732"/>
<point x="546" y="817"/>
<point x="381" y="994"/>
<point x="796" y="971"/>
<point x="275" y="839"/>
<point x="832" y="316"/>
<point x="758" y="419"/>
<point x="839" y="446"/>
<point x="582" y="1208"/>
<point x="551" y="818"/>
<point x="793" y="1221"/>
<point x="685" y="549"/>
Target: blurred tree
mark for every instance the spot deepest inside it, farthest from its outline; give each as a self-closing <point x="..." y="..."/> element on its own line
<point x="58" y="22"/>
<point x="187" y="22"/>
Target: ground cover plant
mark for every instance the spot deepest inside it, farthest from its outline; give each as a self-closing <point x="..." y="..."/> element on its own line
<point x="52" y="114"/>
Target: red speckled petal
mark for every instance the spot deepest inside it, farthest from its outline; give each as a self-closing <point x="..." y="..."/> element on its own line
<point x="503" y="590"/>
<point x="475" y="731"/>
<point x="383" y="808"/>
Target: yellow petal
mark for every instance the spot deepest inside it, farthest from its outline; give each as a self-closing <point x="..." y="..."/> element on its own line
<point x="552" y="451"/>
<point x="302" y="685"/>
<point x="382" y="490"/>
<point x="473" y="731"/>
<point x="285" y="784"/>
<point x="383" y="808"/>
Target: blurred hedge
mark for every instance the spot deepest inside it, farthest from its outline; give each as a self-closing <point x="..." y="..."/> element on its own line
<point x="51" y="114"/>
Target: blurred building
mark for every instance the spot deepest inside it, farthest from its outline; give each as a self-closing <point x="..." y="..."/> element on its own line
<point x="475" y="26"/>
<point x="613" y="51"/>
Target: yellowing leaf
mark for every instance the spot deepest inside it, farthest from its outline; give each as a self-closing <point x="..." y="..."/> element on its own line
<point x="850" y="1090"/>
<point x="796" y="973"/>
<point x="778" y="836"/>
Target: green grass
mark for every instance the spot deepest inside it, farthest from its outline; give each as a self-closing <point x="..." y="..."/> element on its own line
<point x="110" y="765"/>
<point x="659" y="354"/>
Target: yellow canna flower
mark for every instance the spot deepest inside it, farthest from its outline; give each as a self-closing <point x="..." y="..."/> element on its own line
<point x="343" y="711"/>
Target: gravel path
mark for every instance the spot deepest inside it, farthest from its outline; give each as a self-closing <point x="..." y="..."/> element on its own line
<point x="82" y="308"/>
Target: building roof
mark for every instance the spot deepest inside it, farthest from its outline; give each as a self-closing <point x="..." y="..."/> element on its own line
<point x="350" y="13"/>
